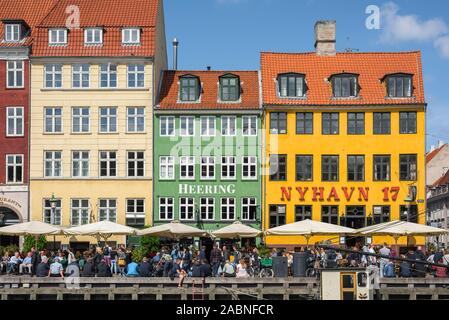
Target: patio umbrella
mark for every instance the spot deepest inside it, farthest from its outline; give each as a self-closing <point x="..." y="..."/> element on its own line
<point x="308" y="228"/>
<point x="173" y="230"/>
<point x="103" y="229"/>
<point x="31" y="228"/>
<point x="236" y="230"/>
<point x="398" y="229"/>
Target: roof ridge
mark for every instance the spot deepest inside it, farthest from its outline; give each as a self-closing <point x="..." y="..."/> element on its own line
<point x="343" y="53"/>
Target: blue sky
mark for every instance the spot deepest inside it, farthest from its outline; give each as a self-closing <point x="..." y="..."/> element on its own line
<point x="229" y="34"/>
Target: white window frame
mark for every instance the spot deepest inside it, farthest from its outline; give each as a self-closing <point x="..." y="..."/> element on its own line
<point x="208" y="123"/>
<point x="136" y="162"/>
<point x="17" y="120"/>
<point x="53" y="119"/>
<point x="57" y="212"/>
<point x="248" y="205"/>
<point x="79" y="118"/>
<point x="135" y="214"/>
<point x="208" y="164"/>
<point x="61" y="36"/>
<point x="166" y="163"/>
<point x="108" y="160"/>
<point x="93" y="34"/>
<point x="187" y="206"/>
<point x="135" y="120"/>
<point x="164" y="123"/>
<point x="133" y="71"/>
<point x="208" y="207"/>
<point x="249" y="119"/>
<point x="108" y="73"/>
<point x="225" y="203"/>
<point x="52" y="161"/>
<point x="79" y="211"/>
<point x="108" y="208"/>
<point x="11" y="30"/>
<point x="226" y="126"/>
<point x="108" y="118"/>
<point x="188" y="120"/>
<point x="53" y="70"/>
<point x="14" y="165"/>
<point x="166" y="205"/>
<point x="80" y="160"/>
<point x="18" y="71"/>
<point x="252" y="161"/>
<point x="229" y="162"/>
<point x="78" y="69"/>
<point x="186" y="161"/>
<point x="130" y="36"/>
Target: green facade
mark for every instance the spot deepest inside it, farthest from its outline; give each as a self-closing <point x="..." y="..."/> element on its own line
<point x="248" y="211"/>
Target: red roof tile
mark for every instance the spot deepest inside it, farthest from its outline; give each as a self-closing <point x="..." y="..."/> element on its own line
<point x="434" y="153"/>
<point x="31" y="11"/>
<point x="112" y="16"/>
<point x="443" y="180"/>
<point x="371" y="67"/>
<point x="168" y="97"/>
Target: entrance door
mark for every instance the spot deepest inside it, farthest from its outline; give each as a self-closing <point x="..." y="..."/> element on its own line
<point x="348" y="288"/>
<point x="79" y="246"/>
<point x="355" y="219"/>
<point x="209" y="244"/>
<point x="7" y="218"/>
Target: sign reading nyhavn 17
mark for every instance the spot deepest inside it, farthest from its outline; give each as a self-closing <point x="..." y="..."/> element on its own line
<point x="217" y="189"/>
<point x="335" y="194"/>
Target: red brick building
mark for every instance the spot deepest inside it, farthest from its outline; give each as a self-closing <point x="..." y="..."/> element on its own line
<point x="17" y="21"/>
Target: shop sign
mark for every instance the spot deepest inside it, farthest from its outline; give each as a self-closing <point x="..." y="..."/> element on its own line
<point x="198" y="189"/>
<point x="10" y="202"/>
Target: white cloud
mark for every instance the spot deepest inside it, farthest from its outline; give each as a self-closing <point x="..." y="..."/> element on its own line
<point x="401" y="28"/>
<point x="404" y="28"/>
<point x="442" y="44"/>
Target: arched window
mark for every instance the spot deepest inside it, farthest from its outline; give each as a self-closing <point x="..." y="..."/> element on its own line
<point x="189" y="88"/>
<point x="229" y="88"/>
<point x="291" y="85"/>
<point x="345" y="85"/>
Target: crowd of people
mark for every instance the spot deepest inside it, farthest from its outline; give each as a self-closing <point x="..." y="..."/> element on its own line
<point x="185" y="261"/>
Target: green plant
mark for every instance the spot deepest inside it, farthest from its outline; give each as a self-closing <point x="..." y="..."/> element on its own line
<point x="11" y="248"/>
<point x="139" y="253"/>
<point x="264" y="252"/>
<point x="30" y="241"/>
<point x="151" y="243"/>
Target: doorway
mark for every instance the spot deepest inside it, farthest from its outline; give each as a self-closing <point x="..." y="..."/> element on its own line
<point x="8" y="218"/>
<point x="209" y="244"/>
<point x="355" y="217"/>
<point x="79" y="246"/>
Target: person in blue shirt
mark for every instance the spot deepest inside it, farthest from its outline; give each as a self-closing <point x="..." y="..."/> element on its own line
<point x="27" y="263"/>
<point x="133" y="269"/>
<point x="13" y="264"/>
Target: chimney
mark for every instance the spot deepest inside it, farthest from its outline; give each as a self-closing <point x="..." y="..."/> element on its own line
<point x="209" y="68"/>
<point x="175" y="54"/>
<point x="325" y="38"/>
<point x="440" y="143"/>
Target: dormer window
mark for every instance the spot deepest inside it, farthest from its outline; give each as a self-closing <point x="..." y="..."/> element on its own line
<point x="57" y="36"/>
<point x="399" y="86"/>
<point x="189" y="88"/>
<point x="344" y="86"/>
<point x="12" y="32"/>
<point x="93" y="36"/>
<point x="131" y="36"/>
<point x="229" y="88"/>
<point x="291" y="85"/>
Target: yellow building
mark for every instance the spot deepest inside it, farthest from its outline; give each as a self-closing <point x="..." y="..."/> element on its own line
<point x="345" y="139"/>
<point x="92" y="95"/>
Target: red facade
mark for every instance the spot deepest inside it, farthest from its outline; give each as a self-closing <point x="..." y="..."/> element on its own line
<point x="14" y="98"/>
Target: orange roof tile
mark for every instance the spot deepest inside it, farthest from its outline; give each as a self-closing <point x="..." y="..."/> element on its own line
<point x="112" y="16"/>
<point x="434" y="153"/>
<point x="31" y="11"/>
<point x="371" y="67"/>
<point x="168" y="97"/>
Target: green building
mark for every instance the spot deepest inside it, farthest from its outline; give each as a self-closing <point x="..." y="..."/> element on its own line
<point x="207" y="149"/>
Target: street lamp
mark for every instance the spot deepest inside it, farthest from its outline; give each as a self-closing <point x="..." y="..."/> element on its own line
<point x="53" y="204"/>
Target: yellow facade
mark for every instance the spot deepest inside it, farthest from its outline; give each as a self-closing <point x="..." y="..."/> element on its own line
<point x="343" y="145"/>
<point x="92" y="187"/>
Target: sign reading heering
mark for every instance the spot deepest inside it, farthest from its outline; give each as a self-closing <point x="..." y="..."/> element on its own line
<point x="191" y="189"/>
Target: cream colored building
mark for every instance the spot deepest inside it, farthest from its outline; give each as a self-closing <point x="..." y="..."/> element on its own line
<point x="91" y="126"/>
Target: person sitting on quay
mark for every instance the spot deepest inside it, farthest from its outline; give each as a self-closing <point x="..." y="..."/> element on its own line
<point x="103" y="270"/>
<point x="228" y="270"/>
<point x="56" y="269"/>
<point x="43" y="269"/>
<point x="27" y="264"/>
<point x="196" y="270"/>
<point x="13" y="264"/>
<point x="241" y="270"/>
<point x="440" y="272"/>
<point x="206" y="269"/>
<point x="132" y="269"/>
<point x="88" y="268"/>
<point x="145" y="268"/>
<point x="4" y="262"/>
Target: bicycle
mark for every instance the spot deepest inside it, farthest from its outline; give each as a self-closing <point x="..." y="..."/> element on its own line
<point x="266" y="268"/>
